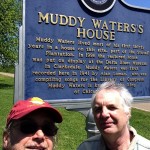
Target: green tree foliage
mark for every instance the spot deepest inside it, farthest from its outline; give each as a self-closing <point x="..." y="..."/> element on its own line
<point x="10" y="19"/>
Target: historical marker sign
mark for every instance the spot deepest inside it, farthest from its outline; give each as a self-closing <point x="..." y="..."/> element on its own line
<point x="69" y="49"/>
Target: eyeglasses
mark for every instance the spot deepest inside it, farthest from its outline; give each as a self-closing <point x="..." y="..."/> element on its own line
<point x="30" y="127"/>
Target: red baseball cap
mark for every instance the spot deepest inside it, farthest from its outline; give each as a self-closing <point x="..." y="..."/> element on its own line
<point x="24" y="107"/>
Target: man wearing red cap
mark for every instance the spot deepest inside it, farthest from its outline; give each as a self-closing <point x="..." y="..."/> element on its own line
<point x="31" y="125"/>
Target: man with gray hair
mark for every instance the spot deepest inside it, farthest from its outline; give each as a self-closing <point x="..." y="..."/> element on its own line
<point x="111" y="106"/>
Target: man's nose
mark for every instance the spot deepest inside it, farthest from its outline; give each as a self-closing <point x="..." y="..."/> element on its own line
<point x="105" y="112"/>
<point x="39" y="135"/>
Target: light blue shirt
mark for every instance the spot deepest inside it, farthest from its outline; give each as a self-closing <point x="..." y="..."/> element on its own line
<point x="97" y="143"/>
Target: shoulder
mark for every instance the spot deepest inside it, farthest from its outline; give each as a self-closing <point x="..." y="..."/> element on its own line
<point x="143" y="142"/>
<point x="90" y="143"/>
<point x="139" y="141"/>
<point x="93" y="138"/>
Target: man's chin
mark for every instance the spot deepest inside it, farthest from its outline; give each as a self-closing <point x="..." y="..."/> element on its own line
<point x="107" y="129"/>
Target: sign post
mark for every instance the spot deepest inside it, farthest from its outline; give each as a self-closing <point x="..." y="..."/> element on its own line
<point x="68" y="48"/>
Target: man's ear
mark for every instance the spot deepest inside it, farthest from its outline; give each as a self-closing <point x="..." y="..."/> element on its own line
<point x="128" y="114"/>
<point x="5" y="139"/>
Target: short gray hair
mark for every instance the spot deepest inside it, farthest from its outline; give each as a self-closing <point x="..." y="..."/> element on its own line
<point x="126" y="97"/>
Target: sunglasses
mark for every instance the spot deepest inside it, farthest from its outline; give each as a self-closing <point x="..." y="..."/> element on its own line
<point x="31" y="127"/>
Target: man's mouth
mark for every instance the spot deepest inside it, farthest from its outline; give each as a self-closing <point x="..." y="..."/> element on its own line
<point x="36" y="148"/>
<point x="106" y="124"/>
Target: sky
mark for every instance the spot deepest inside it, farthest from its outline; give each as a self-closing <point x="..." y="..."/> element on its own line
<point x="139" y="3"/>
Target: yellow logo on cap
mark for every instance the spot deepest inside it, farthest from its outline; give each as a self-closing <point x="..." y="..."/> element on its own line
<point x="37" y="100"/>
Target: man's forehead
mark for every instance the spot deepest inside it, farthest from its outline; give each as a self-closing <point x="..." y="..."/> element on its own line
<point x="107" y="96"/>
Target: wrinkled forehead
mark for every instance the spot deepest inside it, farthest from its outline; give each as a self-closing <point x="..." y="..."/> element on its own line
<point x="110" y="96"/>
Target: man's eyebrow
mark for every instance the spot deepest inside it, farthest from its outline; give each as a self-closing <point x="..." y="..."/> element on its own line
<point x="111" y="104"/>
<point x="95" y="106"/>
